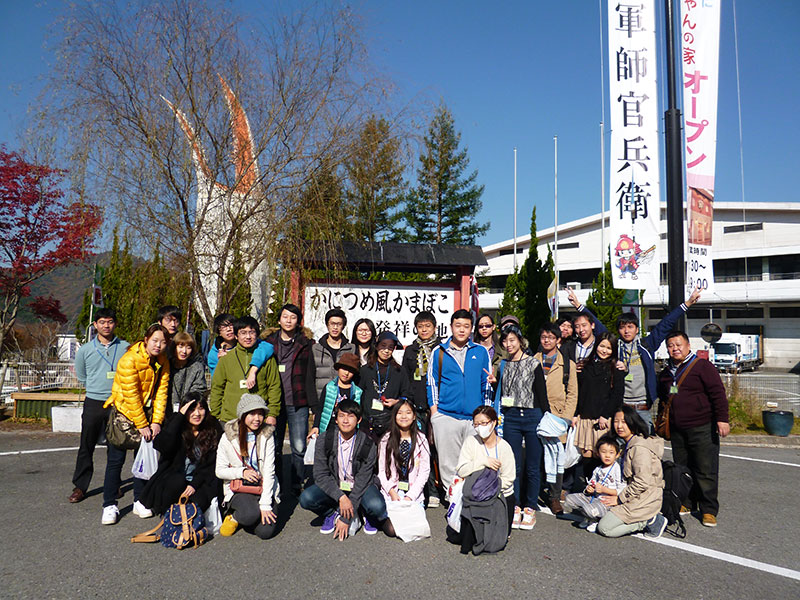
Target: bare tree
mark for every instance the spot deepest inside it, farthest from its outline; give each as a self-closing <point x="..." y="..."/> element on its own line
<point x="198" y="127"/>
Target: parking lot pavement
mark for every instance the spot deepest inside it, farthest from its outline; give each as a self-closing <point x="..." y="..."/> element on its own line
<point x="56" y="550"/>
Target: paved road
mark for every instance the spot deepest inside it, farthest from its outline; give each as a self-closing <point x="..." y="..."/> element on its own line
<point x="56" y="550"/>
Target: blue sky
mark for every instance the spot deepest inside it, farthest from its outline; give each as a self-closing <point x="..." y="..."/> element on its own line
<point x="517" y="73"/>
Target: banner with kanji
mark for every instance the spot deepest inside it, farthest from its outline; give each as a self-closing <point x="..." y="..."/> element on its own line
<point x="634" y="164"/>
<point x="700" y="59"/>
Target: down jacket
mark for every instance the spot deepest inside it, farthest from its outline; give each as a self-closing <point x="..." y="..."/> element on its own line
<point x="138" y="382"/>
<point x="641" y="468"/>
<point x="230" y="465"/>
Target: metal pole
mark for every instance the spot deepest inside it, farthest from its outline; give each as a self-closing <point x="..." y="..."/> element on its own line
<point x="515" y="210"/>
<point x="603" y="249"/>
<point x="555" y="229"/>
<point x="674" y="172"/>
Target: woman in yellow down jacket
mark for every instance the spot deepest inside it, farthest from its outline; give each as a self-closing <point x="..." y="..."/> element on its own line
<point x="139" y="392"/>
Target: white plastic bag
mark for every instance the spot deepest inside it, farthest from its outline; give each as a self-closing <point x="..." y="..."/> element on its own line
<point x="454" y="511"/>
<point x="308" y="458"/>
<point x="213" y="517"/>
<point x="146" y="462"/>
<point x="408" y="520"/>
<point x="571" y="454"/>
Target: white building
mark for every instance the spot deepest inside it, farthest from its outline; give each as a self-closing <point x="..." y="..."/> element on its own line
<point x="756" y="273"/>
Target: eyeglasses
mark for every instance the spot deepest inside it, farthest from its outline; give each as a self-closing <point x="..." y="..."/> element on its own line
<point x="481" y="424"/>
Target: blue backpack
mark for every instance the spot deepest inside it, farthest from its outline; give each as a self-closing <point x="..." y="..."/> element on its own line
<point x="183" y="526"/>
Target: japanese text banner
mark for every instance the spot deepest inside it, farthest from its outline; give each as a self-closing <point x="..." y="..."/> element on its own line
<point x="390" y="307"/>
<point x="700" y="59"/>
<point x="634" y="164"/>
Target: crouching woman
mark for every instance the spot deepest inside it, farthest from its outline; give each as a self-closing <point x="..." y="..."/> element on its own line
<point x="637" y="507"/>
<point x="246" y="466"/>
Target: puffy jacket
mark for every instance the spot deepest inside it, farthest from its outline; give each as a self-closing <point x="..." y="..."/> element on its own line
<point x="137" y="383"/>
<point x="323" y="361"/>
<point x="459" y="392"/>
<point x="641" y="468"/>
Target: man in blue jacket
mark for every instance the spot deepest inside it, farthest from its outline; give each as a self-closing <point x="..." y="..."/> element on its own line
<point x="637" y="354"/>
<point x="457" y="385"/>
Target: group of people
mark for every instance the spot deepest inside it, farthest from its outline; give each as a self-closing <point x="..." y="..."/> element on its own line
<point x="481" y="416"/>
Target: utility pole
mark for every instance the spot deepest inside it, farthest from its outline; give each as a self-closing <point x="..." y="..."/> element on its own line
<point x="674" y="172"/>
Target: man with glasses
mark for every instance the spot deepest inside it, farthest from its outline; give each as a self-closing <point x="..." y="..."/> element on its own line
<point x="329" y="347"/>
<point x="95" y="366"/>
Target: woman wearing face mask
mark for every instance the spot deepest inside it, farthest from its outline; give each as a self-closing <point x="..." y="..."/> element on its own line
<point x="600" y="389"/>
<point x="139" y="392"/>
<point x="188" y="456"/>
<point x="384" y="383"/>
<point x="521" y="395"/>
<point x="187" y="371"/>
<point x="487" y="449"/>
<point x="364" y="338"/>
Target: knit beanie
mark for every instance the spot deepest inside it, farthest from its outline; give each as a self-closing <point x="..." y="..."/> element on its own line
<point x="250" y="402"/>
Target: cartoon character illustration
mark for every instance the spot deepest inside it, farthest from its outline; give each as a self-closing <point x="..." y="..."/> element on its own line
<point x="630" y="256"/>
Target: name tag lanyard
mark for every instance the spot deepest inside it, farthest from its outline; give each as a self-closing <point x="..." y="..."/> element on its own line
<point x="378" y="387"/>
<point x="674" y="388"/>
<point x="105" y="356"/>
<point x="583" y="351"/>
<point x="611" y="468"/>
<point x="349" y="458"/>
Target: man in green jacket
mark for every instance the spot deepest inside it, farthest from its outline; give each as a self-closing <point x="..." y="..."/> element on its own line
<point x="230" y="377"/>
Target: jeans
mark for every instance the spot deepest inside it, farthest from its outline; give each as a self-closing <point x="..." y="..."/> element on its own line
<point x="114" y="464"/>
<point x="93" y="424"/>
<point x="297" y="419"/>
<point x="372" y="503"/>
<point x="248" y="514"/>
<point x="520" y="424"/>
<point x="647" y="417"/>
<point x="697" y="449"/>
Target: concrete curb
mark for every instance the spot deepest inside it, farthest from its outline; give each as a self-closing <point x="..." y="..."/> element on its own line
<point x="762" y="441"/>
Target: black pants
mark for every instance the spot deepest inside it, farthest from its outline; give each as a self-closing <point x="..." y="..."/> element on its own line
<point x="93" y="424"/>
<point x="247" y="513"/>
<point x="697" y="449"/>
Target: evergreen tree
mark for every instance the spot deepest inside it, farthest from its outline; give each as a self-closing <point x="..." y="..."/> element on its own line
<point x="236" y="288"/>
<point x="444" y="207"/>
<point x="605" y="301"/>
<point x="525" y="295"/>
<point x="375" y="182"/>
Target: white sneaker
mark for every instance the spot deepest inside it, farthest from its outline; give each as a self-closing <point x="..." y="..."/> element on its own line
<point x="110" y="514"/>
<point x="141" y="511"/>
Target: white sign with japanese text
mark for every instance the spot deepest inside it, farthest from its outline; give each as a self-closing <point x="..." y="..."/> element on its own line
<point x="634" y="164"/>
<point x="389" y="306"/>
<point x="700" y="59"/>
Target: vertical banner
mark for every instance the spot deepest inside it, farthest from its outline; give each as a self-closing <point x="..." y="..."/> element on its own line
<point x="700" y="59"/>
<point x="634" y="164"/>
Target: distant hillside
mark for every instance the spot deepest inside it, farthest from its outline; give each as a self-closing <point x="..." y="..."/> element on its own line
<point x="67" y="284"/>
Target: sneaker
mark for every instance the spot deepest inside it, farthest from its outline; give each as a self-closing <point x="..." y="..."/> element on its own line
<point x="528" y="519"/>
<point x="141" y="510"/>
<point x="584" y="524"/>
<point x="110" y="514"/>
<point x="685" y="510"/>
<point x="517" y="518"/>
<point x="655" y="526"/>
<point x="709" y="520"/>
<point x="369" y="528"/>
<point x="433" y="502"/>
<point x="592" y="528"/>
<point x="330" y="523"/>
<point x="228" y="527"/>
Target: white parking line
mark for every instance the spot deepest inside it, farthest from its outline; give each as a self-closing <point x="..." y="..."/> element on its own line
<point x="18" y="452"/>
<point x="724" y="556"/>
<point x="772" y="462"/>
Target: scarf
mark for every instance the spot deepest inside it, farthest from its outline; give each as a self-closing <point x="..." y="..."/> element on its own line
<point x="424" y="354"/>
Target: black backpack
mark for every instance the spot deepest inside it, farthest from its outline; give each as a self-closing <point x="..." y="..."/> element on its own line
<point x="677" y="485"/>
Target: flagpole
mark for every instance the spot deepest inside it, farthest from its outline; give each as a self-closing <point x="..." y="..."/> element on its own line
<point x="515" y="210"/>
<point x="555" y="228"/>
<point x="603" y="249"/>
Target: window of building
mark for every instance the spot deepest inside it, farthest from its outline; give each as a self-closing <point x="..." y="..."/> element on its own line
<point x="745" y="313"/>
<point x="742" y="228"/>
<point x="702" y="313"/>
<point x="583" y="276"/>
<point x="735" y="269"/>
<point x="784" y="312"/>
<point x="567" y="245"/>
<point x="510" y="251"/>
<point x="784" y="267"/>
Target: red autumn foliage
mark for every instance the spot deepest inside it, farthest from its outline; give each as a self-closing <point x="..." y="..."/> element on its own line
<point x="41" y="231"/>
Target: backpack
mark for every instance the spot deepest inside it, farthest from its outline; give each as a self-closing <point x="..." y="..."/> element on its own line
<point x="183" y="526"/>
<point x="566" y="359"/>
<point x="677" y="485"/>
<point x="363" y="452"/>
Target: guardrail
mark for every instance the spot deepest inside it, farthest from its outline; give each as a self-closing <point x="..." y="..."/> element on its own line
<point x="32" y="377"/>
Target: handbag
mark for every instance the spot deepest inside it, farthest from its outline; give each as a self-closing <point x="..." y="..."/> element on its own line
<point x="120" y="430"/>
<point x="183" y="526"/>
<point x="662" y="419"/>
<point x="240" y="486"/>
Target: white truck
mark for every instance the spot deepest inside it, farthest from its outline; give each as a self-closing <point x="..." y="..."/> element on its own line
<point x="737" y="352"/>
